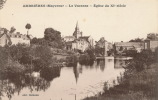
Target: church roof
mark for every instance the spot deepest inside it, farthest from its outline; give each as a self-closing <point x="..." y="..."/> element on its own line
<point x="84" y="37"/>
<point x="69" y="37"/>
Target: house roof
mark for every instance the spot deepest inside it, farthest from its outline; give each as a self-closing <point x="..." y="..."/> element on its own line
<point x="85" y="38"/>
<point x="6" y="36"/>
<point x="129" y="44"/>
<point x="16" y="35"/>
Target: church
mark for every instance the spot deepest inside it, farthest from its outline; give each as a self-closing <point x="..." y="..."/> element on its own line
<point x="77" y="41"/>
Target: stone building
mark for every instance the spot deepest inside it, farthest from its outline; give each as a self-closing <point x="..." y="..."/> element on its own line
<point x="139" y="46"/>
<point x="151" y="44"/>
<point x="13" y="38"/>
<point x="77" y="41"/>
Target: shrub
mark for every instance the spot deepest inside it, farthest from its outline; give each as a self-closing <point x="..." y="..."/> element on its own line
<point x="141" y="60"/>
<point x="71" y="60"/>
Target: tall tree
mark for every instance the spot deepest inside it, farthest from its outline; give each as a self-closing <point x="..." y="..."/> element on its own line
<point x="28" y="26"/>
<point x="53" y="37"/>
<point x="12" y="30"/>
<point x="136" y="40"/>
<point x="100" y="46"/>
<point x="152" y="36"/>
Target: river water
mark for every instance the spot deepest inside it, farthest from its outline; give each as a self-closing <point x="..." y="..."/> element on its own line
<point x="70" y="83"/>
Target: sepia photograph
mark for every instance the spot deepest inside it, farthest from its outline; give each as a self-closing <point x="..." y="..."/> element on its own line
<point x="78" y="49"/>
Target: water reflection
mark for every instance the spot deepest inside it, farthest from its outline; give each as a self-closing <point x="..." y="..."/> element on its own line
<point x="13" y="83"/>
<point x="120" y="63"/>
<point x="76" y="82"/>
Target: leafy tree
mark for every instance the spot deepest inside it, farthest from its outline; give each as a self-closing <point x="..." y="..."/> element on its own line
<point x="141" y="61"/>
<point x="28" y="26"/>
<point x="53" y="37"/>
<point x="152" y="36"/>
<point x="99" y="47"/>
<point x="90" y="52"/>
<point x="12" y="30"/>
<point x="4" y="54"/>
<point x="136" y="40"/>
<point x="34" y="41"/>
<point x="156" y="54"/>
<point x="43" y="57"/>
<point x="121" y="48"/>
<point x="130" y="53"/>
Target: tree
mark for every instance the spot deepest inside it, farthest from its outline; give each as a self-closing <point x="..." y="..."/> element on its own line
<point x="156" y="54"/>
<point x="28" y="26"/>
<point x="136" y="40"/>
<point x="141" y="61"/>
<point x="12" y="30"/>
<point x="99" y="47"/>
<point x="121" y="48"/>
<point x="53" y="37"/>
<point x="152" y="36"/>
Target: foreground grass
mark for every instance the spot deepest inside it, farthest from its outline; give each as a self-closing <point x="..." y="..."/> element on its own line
<point x="136" y="86"/>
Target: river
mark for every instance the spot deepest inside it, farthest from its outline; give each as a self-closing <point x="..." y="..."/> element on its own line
<point x="68" y="83"/>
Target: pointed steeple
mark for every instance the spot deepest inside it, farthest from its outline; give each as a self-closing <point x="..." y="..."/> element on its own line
<point x="77" y="32"/>
<point x="77" y="27"/>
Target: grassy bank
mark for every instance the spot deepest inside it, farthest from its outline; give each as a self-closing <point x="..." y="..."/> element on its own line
<point x="139" y="86"/>
<point x="138" y="83"/>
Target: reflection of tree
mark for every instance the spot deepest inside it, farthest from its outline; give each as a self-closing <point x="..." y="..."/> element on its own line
<point x="102" y="65"/>
<point x="36" y="83"/>
<point x="10" y="84"/>
<point x="119" y="63"/>
<point x="49" y="73"/>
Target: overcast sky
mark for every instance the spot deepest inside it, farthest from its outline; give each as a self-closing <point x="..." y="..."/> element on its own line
<point x="137" y="19"/>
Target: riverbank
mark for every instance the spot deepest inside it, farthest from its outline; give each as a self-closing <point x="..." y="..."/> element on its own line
<point x="136" y="86"/>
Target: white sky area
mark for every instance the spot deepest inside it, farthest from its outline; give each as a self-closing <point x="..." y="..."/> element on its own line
<point x="137" y="19"/>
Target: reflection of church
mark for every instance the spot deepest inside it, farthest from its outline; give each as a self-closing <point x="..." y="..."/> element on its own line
<point x="78" y="41"/>
<point x="101" y="64"/>
<point x="77" y="70"/>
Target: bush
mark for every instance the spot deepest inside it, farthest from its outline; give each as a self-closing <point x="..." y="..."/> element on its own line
<point x="141" y="60"/>
<point x="130" y="53"/>
<point x="71" y="60"/>
<point x="49" y="73"/>
<point x="156" y="54"/>
<point x="3" y="57"/>
<point x="42" y="57"/>
<point x="14" y="68"/>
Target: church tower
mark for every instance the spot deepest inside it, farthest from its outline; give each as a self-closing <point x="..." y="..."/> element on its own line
<point x="77" y="32"/>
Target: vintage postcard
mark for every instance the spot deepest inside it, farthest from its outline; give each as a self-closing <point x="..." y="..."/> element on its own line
<point x="78" y="49"/>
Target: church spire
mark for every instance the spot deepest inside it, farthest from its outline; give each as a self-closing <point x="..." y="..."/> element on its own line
<point x="77" y="32"/>
<point x="77" y="27"/>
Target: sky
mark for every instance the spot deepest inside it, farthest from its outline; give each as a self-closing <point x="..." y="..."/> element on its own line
<point x="115" y="24"/>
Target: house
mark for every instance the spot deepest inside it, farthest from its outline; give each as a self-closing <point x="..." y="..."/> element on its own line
<point x="120" y="46"/>
<point x="80" y="44"/>
<point x="151" y="44"/>
<point x="77" y="41"/>
<point x="69" y="38"/>
<point x="7" y="38"/>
